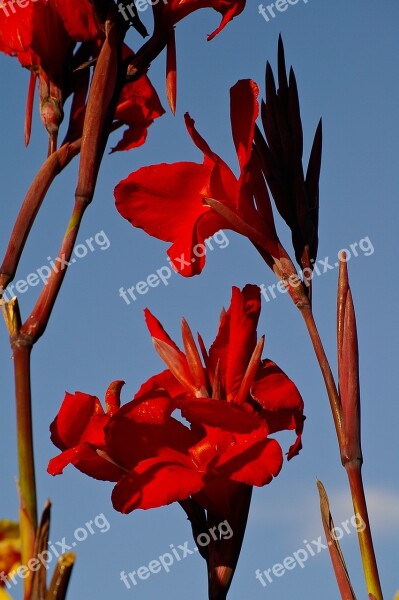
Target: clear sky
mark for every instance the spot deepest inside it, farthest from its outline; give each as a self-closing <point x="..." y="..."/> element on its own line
<point x="346" y="59"/>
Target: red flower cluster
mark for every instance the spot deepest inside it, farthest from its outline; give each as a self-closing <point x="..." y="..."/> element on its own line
<point x="232" y="404"/>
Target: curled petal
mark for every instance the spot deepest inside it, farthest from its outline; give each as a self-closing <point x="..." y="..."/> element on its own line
<point x="74" y="418"/>
<point x="113" y="396"/>
<point x="86" y="459"/>
<point x="281" y="402"/>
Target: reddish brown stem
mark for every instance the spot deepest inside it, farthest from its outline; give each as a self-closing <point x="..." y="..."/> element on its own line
<point x="31" y="206"/>
<point x="37" y="321"/>
<point x="353" y="468"/>
<point x="325" y="368"/>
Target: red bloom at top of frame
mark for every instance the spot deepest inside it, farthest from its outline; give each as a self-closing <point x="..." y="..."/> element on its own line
<point x="167" y="14"/>
<point x="172" y="201"/>
<point x="44" y="26"/>
<point x="37" y="36"/>
<point x="43" y="35"/>
<point x="232" y="399"/>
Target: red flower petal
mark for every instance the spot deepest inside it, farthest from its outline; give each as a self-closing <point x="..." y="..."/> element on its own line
<point x="274" y="390"/>
<point x="79" y="19"/>
<point x="163" y="381"/>
<point x="154" y="483"/>
<point x="151" y="408"/>
<point x="217" y="413"/>
<point x="244" y="110"/>
<point x="223" y="184"/>
<point x="236" y="338"/>
<point x="16" y="28"/>
<point x="168" y="14"/>
<point x="51" y="42"/>
<point x="74" y="418"/>
<point x="113" y="396"/>
<point x="130" y="441"/>
<point x="166" y="201"/>
<point x="157" y="331"/>
<point x="229" y="10"/>
<point x="138" y="107"/>
<point x="86" y="459"/>
<point x="251" y="463"/>
<point x="281" y="402"/>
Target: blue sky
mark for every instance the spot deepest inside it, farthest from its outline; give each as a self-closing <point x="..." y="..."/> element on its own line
<point x="346" y="59"/>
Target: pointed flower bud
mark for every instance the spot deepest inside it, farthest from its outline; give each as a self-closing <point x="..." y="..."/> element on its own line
<point x="348" y="368"/>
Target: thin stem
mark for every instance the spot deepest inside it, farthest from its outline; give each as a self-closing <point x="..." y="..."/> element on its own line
<point x="370" y="568"/>
<point x="353" y="468"/>
<point x="325" y="368"/>
<point x="36" y="324"/>
<point x="21" y="348"/>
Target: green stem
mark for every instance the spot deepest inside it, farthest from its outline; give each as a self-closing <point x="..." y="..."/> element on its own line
<point x="21" y="351"/>
<point x="354" y="472"/>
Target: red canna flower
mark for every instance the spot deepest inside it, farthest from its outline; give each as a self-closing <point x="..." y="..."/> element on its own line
<point x="233" y="404"/>
<point x="185" y="203"/>
<point x="170" y="201"/>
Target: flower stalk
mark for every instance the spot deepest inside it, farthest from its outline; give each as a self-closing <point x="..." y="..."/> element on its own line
<point x="350" y="446"/>
<point x="345" y="407"/>
<point x="21" y="350"/>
